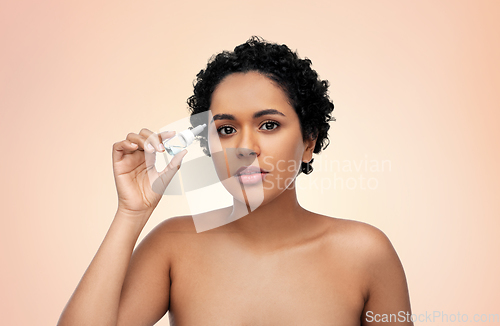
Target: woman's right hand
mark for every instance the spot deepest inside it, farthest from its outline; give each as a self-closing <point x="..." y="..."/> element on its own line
<point x="139" y="186"/>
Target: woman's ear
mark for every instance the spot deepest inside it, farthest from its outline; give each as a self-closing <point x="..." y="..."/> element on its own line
<point x="309" y="143"/>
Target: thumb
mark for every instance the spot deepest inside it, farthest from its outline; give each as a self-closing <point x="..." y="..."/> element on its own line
<point x="175" y="164"/>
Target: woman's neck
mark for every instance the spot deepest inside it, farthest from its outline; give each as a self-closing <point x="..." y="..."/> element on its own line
<point x="274" y="224"/>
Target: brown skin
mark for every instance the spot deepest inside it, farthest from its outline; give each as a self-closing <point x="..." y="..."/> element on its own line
<point x="278" y="265"/>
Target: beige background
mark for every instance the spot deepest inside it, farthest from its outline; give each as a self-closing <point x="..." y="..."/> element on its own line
<point x="413" y="82"/>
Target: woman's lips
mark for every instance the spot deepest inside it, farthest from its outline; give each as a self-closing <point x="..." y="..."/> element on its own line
<point x="249" y="175"/>
<point x="251" y="179"/>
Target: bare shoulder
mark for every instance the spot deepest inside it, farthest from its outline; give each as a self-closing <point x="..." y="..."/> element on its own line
<point x="178" y="231"/>
<point x="171" y="233"/>
<point x="164" y="236"/>
<point x="178" y="224"/>
<point x="359" y="239"/>
<point x="368" y="255"/>
<point x="186" y="225"/>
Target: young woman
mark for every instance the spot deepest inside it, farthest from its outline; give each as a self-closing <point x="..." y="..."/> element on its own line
<point x="277" y="264"/>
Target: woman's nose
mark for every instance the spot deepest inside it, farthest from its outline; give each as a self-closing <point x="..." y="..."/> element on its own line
<point x="247" y="146"/>
<point x="245" y="152"/>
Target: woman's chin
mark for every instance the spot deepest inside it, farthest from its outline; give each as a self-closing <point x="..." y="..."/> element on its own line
<point x="249" y="193"/>
<point x="252" y="193"/>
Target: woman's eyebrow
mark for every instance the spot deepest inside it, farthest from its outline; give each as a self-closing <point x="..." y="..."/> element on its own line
<point x="225" y="116"/>
<point x="268" y="111"/>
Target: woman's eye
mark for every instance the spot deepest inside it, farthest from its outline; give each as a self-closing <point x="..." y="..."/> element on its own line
<point x="225" y="130"/>
<point x="269" y="125"/>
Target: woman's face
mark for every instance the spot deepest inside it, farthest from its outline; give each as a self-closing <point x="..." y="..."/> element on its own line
<point x="258" y="132"/>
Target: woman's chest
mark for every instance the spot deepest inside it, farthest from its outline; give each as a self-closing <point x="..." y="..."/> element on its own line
<point x="295" y="287"/>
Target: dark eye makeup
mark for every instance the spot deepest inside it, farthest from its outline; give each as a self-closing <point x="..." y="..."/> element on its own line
<point x="267" y="125"/>
<point x="225" y="130"/>
<point x="270" y="125"/>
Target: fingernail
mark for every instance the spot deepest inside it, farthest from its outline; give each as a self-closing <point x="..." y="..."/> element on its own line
<point x="150" y="147"/>
<point x="161" y="147"/>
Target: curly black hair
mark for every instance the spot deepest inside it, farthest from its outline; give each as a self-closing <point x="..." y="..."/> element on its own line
<point x="307" y="93"/>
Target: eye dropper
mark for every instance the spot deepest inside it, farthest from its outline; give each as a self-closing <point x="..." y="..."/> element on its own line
<point x="182" y="140"/>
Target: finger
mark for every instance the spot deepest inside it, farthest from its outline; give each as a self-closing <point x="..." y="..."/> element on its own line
<point x="150" y="159"/>
<point x="172" y="167"/>
<point x="165" y="135"/>
<point x="177" y="160"/>
<point x="122" y="148"/>
<point x="141" y="141"/>
<point x="153" y="139"/>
